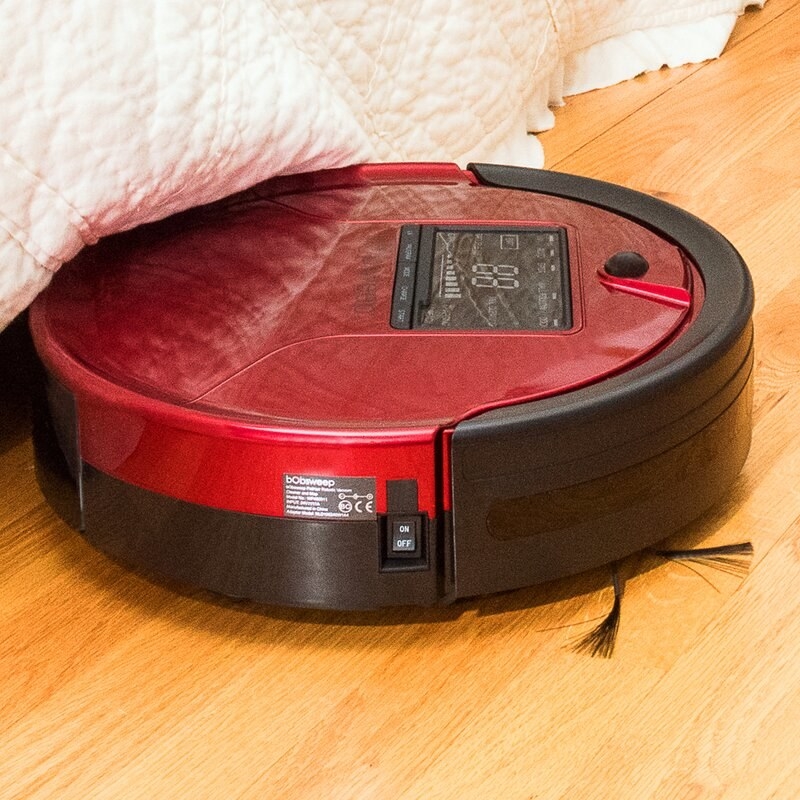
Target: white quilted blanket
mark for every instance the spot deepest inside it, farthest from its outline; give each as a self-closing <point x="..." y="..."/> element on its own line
<point x="113" y="114"/>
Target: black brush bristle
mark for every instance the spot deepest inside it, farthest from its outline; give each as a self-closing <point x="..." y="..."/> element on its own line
<point x="735" y="559"/>
<point x="600" y="641"/>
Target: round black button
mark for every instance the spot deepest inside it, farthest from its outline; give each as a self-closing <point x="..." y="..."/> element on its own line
<point x="627" y="264"/>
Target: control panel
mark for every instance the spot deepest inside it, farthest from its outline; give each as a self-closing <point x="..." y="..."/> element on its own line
<point x="478" y="277"/>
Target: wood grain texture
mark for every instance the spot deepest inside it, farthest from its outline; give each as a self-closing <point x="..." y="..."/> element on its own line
<point x="113" y="685"/>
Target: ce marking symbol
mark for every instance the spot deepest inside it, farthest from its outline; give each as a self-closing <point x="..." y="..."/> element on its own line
<point x="358" y="503"/>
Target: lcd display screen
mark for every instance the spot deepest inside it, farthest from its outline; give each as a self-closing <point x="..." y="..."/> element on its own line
<point x="504" y="279"/>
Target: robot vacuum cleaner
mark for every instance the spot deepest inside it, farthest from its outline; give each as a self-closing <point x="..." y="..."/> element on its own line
<point x="397" y="384"/>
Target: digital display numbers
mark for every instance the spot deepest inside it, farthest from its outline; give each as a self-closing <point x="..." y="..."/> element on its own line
<point x="504" y="279"/>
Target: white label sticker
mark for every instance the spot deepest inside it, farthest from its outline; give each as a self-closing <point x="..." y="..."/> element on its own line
<point x="328" y="497"/>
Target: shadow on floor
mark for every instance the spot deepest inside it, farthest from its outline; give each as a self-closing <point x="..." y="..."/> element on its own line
<point x="17" y="367"/>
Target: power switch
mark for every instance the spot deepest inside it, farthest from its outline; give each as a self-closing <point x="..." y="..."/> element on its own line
<point x="404" y="537"/>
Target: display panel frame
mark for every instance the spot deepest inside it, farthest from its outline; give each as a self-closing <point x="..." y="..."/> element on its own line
<point x="529" y="291"/>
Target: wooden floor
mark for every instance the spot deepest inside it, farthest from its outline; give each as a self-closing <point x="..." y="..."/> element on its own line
<point x="112" y="686"/>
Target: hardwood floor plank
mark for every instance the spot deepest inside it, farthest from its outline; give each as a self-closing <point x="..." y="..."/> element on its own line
<point x="583" y="118"/>
<point x="586" y="117"/>
<point x="732" y="108"/>
<point x="724" y="721"/>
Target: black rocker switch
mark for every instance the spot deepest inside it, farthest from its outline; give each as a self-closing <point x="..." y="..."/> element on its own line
<point x="405" y="531"/>
<point x="404" y="537"/>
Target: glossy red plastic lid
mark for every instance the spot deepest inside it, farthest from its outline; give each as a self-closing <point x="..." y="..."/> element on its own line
<point x="274" y="306"/>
